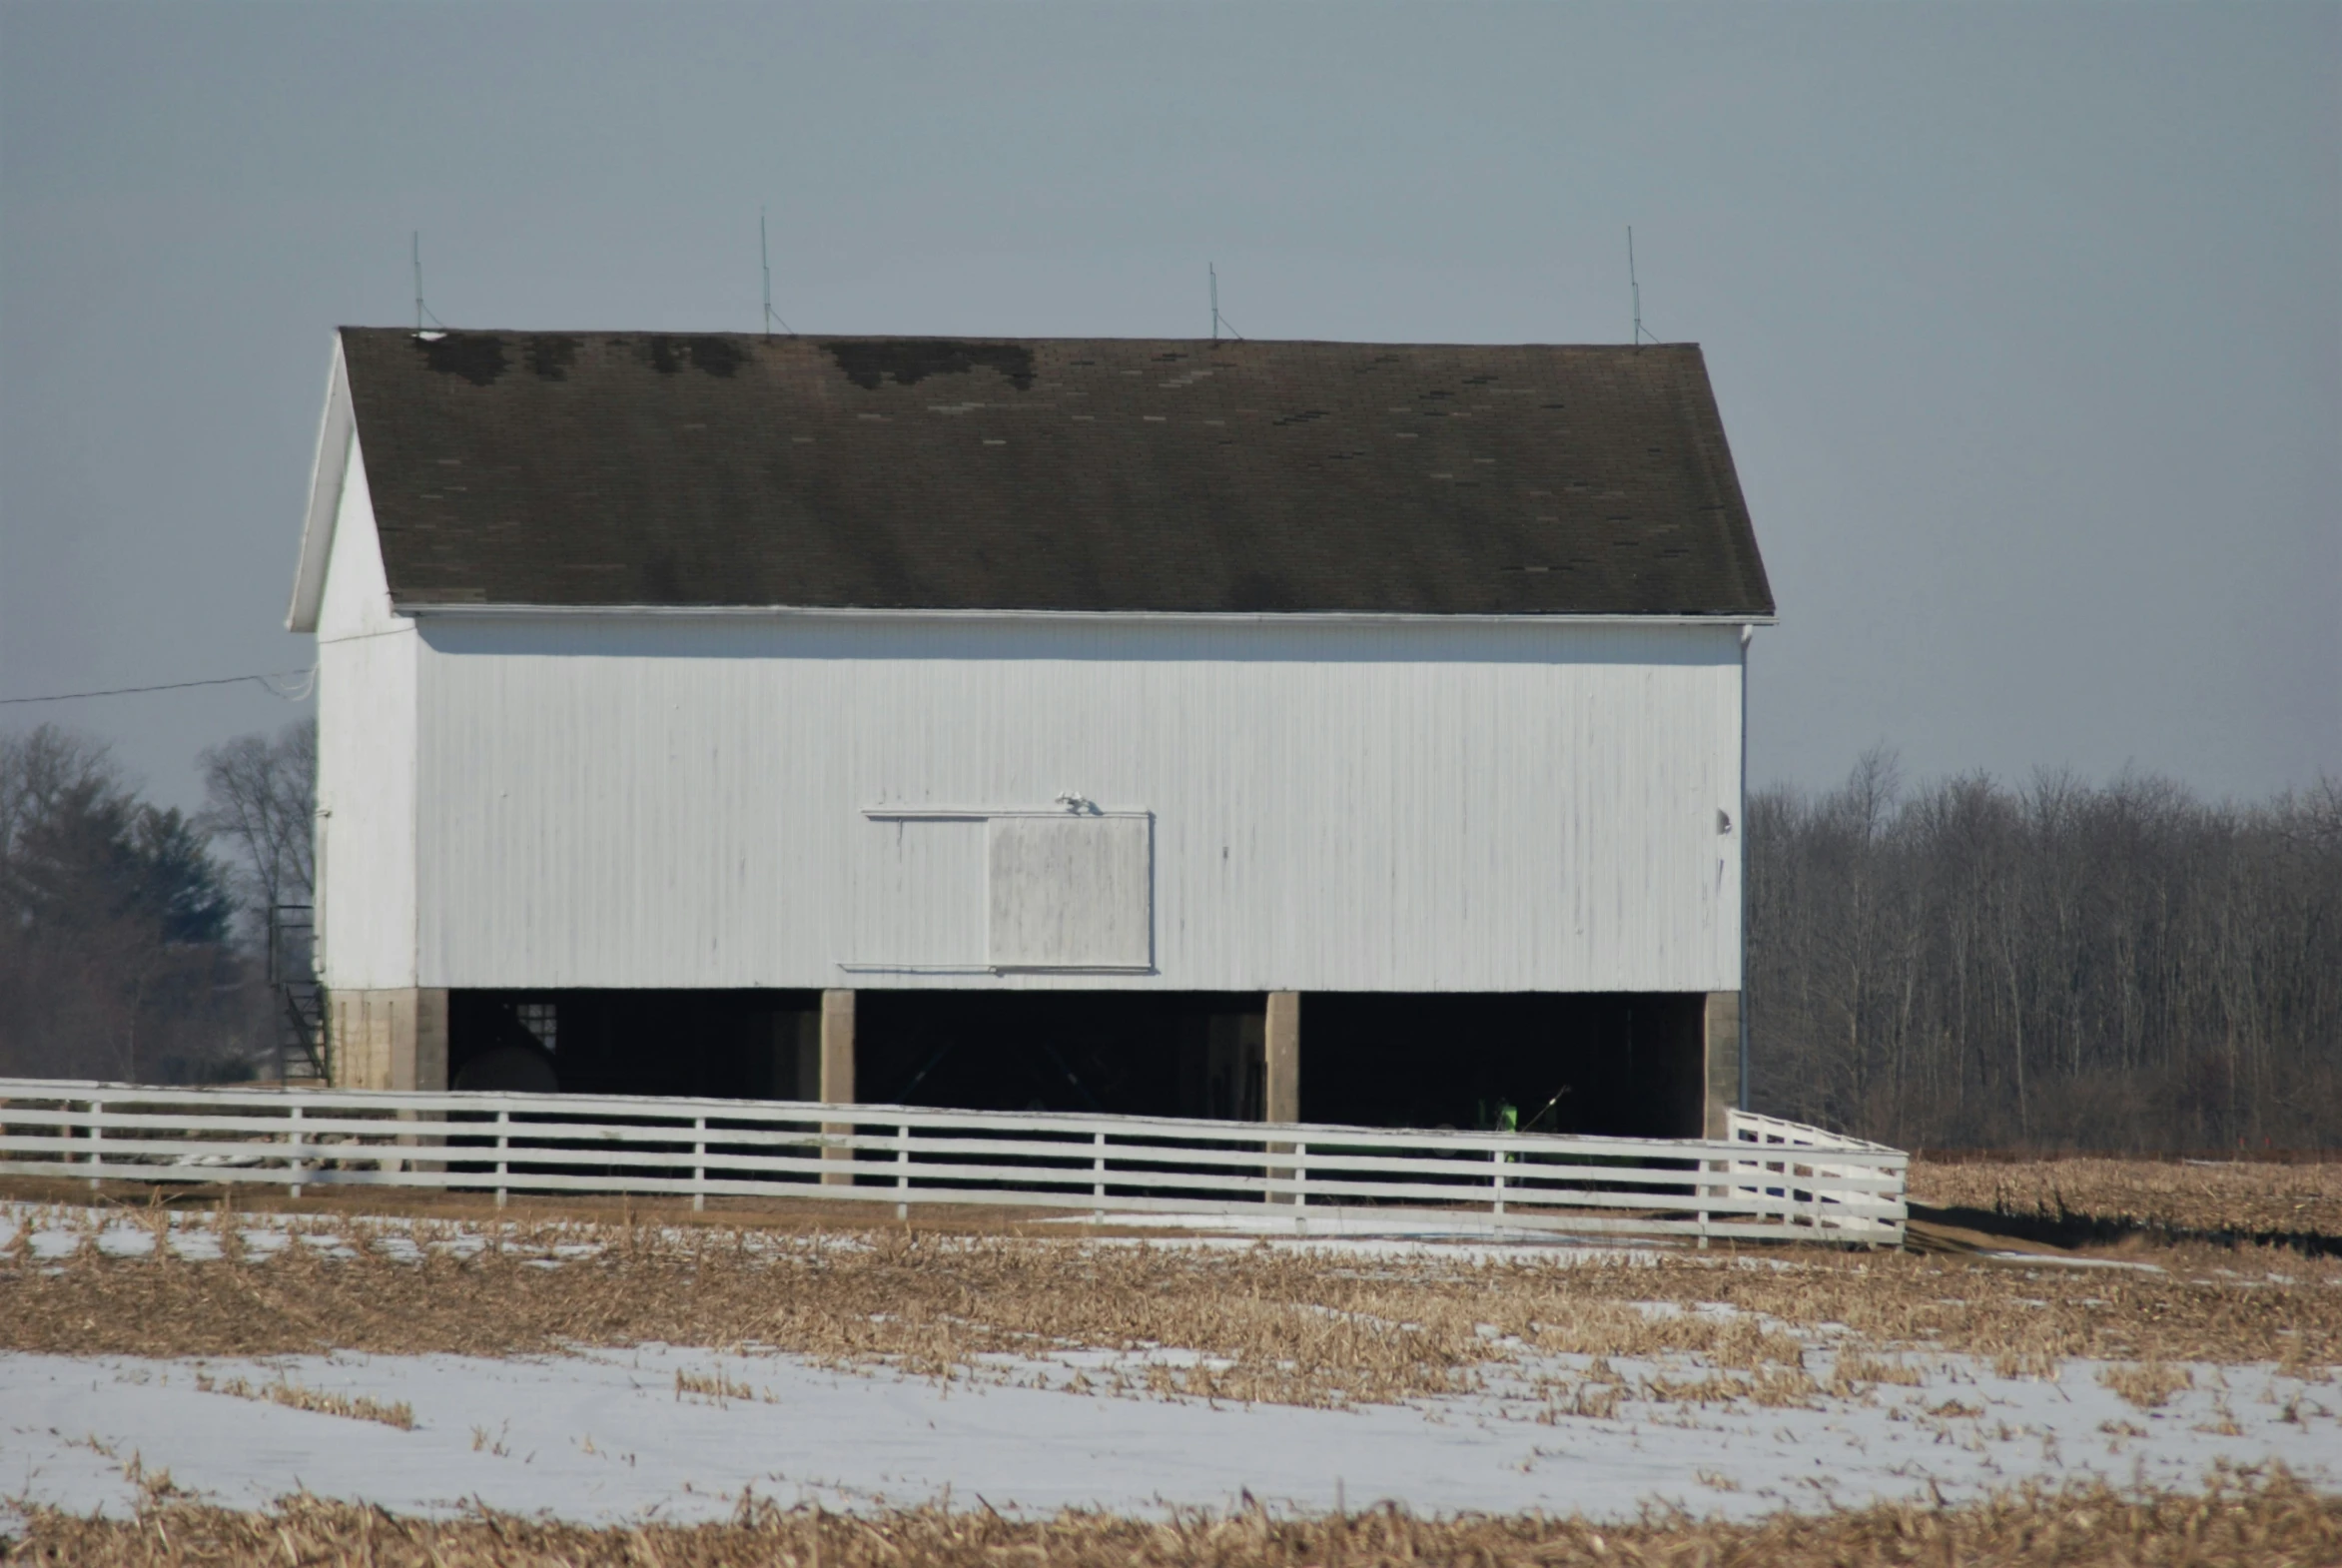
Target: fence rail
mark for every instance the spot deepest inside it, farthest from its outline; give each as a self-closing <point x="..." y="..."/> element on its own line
<point x="1770" y="1181"/>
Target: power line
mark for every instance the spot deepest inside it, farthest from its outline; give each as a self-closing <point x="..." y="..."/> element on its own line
<point x="181" y="685"/>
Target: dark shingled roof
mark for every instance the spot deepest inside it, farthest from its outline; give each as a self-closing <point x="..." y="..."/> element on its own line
<point x="618" y="468"/>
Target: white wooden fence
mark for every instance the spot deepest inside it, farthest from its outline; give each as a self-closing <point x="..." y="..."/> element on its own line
<point x="1775" y="1180"/>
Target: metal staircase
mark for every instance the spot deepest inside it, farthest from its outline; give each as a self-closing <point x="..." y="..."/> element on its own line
<point x="301" y="1045"/>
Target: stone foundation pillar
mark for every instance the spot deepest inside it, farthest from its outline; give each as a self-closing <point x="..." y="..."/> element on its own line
<point x="391" y="1039"/>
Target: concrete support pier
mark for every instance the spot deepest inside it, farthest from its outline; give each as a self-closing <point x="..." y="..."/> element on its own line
<point x="1281" y="1058"/>
<point x="1283" y="1053"/>
<point x="391" y="1039"/>
<point x="837" y="1078"/>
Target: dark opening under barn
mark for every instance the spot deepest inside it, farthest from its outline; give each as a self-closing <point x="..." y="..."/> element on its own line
<point x="1625" y="1064"/>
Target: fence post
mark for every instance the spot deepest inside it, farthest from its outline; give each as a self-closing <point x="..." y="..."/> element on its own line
<point x="1496" y="1158"/>
<point x="1273" y="1173"/>
<point x="1708" y="1191"/>
<point x="292" y="1144"/>
<point x="902" y="1172"/>
<point x="1902" y="1227"/>
<point x="1707" y="1168"/>
<point x="97" y="1135"/>
<point x="1098" y="1179"/>
<point x="698" y="1163"/>
<point x="504" y="1143"/>
<point x="1301" y="1189"/>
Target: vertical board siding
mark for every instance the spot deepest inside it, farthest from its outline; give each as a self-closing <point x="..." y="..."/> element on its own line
<point x="366" y="826"/>
<point x="1409" y="806"/>
<point x="915" y="894"/>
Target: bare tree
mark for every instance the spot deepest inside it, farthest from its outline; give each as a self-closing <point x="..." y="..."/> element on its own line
<point x="38" y="767"/>
<point x="260" y="796"/>
<point x="2112" y="967"/>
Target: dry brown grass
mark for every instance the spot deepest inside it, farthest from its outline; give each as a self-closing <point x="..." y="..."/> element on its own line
<point x="2185" y="1198"/>
<point x="719" y="1386"/>
<point x="2266" y="1520"/>
<point x="1263" y="1323"/>
<point x="1855" y="1369"/>
<point x="2150" y="1387"/>
<point x="355" y="1406"/>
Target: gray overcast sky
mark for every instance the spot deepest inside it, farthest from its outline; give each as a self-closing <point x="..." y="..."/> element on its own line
<point x="2026" y="320"/>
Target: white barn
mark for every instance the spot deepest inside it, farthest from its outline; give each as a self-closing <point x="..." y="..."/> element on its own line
<point x="1279" y="730"/>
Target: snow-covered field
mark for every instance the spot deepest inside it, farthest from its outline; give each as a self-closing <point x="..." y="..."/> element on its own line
<point x="600" y="1434"/>
<point x="603" y="1435"/>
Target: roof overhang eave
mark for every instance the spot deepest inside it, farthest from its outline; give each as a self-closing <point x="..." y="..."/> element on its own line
<point x="328" y="473"/>
<point x="514" y="611"/>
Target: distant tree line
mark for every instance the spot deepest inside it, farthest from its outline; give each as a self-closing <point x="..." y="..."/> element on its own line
<point x="129" y="948"/>
<point x="2056" y="964"/>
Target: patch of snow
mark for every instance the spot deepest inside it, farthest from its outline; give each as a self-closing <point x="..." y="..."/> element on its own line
<point x="608" y="1436"/>
<point x="58" y="1231"/>
<point x="1351" y="1225"/>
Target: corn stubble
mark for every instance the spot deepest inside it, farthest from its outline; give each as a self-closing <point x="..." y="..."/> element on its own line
<point x="2244" y="1518"/>
<point x="2188" y="1198"/>
<point x="1262" y="1323"/>
<point x="357" y="1407"/>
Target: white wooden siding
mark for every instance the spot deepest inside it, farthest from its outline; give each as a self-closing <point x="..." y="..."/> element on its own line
<point x="366" y="760"/>
<point x="681" y="801"/>
<point x="915" y="896"/>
